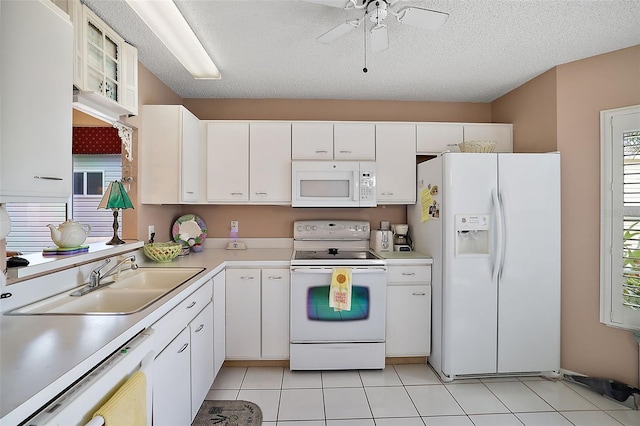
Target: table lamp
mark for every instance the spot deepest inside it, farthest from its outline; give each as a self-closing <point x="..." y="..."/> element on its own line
<point x="115" y="197"/>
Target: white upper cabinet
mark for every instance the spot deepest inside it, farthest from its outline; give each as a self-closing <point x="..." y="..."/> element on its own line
<point x="227" y="162"/>
<point x="105" y="66"/>
<point x="396" y="163"/>
<point x="502" y="134"/>
<point x="354" y="141"/>
<point x="312" y="141"/>
<point x="170" y="147"/>
<point x="270" y="163"/>
<point x="36" y="47"/>
<point x="434" y="138"/>
<point x="333" y="141"/>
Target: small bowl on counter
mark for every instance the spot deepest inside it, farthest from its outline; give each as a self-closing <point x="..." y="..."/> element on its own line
<point x="162" y="252"/>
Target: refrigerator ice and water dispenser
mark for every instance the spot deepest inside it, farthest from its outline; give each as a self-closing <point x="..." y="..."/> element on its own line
<point x="472" y="234"/>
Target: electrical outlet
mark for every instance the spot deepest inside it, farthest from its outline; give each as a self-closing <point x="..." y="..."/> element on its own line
<point x="152" y="230"/>
<point x="234" y="226"/>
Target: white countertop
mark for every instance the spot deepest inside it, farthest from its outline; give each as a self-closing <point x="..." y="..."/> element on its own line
<point x="41" y="355"/>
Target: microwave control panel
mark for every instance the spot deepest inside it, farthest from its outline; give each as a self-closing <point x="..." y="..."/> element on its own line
<point x="367" y="185"/>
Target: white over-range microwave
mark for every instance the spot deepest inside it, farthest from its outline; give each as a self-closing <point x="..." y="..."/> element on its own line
<point x="317" y="183"/>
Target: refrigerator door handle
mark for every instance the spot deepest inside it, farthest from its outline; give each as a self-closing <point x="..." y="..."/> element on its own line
<point x="503" y="253"/>
<point x="497" y="261"/>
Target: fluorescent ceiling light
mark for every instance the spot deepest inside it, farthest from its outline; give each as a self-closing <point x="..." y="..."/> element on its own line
<point x="166" y="21"/>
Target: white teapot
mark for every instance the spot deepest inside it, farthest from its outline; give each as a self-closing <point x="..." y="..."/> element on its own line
<point x="69" y="234"/>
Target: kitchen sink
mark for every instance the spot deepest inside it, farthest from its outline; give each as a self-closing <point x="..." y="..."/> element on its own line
<point x="131" y="292"/>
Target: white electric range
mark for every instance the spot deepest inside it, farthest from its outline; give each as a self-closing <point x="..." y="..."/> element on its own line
<point x="321" y="337"/>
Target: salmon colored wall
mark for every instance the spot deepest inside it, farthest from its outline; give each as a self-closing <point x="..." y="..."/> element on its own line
<point x="151" y="91"/>
<point x="560" y="110"/>
<point x="584" y="89"/>
<point x="532" y="110"/>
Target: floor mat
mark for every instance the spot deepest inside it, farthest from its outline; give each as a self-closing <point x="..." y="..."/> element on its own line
<point x="228" y="413"/>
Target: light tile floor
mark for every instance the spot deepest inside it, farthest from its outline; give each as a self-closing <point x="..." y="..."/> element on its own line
<point x="408" y="395"/>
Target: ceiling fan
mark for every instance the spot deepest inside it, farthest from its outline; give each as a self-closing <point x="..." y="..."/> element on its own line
<point x="376" y="11"/>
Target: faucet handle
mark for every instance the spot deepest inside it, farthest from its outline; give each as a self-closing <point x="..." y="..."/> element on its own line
<point x="99" y="268"/>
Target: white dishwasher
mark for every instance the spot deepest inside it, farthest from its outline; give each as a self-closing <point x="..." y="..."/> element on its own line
<point x="77" y="404"/>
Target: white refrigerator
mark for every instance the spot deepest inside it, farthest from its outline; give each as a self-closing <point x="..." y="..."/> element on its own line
<point x="491" y="222"/>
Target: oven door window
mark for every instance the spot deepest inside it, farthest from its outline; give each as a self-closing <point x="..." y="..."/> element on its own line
<point x="318" y="308"/>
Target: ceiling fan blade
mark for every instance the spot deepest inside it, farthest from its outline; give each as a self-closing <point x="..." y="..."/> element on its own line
<point x="422" y="18"/>
<point x="379" y="38"/>
<point x="337" y="32"/>
<point x="342" y="4"/>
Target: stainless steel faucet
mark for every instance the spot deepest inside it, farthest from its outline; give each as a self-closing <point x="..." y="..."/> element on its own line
<point x="96" y="277"/>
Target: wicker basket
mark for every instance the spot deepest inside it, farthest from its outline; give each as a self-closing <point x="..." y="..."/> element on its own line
<point x="162" y="252"/>
<point x="477" y="146"/>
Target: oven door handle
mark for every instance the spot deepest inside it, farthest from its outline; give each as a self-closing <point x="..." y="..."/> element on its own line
<point x="354" y="270"/>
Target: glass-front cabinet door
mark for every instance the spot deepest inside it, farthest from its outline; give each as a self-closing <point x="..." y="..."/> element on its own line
<point x="103" y="59"/>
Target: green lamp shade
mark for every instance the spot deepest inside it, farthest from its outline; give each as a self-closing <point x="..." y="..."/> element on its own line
<point x="115" y="197"/>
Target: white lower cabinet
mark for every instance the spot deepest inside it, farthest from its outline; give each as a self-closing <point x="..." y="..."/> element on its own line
<point x="275" y="313"/>
<point x="202" y="370"/>
<point x="257" y="314"/>
<point x="219" y="346"/>
<point x="172" y="383"/>
<point x="183" y="371"/>
<point x="408" y="329"/>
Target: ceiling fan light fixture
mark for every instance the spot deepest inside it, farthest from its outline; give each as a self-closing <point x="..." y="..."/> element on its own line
<point x="168" y="24"/>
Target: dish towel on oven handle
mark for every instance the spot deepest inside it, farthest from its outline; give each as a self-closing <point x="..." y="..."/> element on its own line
<point x="340" y="290"/>
<point x="127" y="407"/>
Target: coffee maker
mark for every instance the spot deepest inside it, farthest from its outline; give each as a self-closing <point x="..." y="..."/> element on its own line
<point x="401" y="240"/>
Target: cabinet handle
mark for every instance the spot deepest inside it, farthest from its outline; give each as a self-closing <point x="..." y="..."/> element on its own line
<point x="200" y="328"/>
<point x="452" y="144"/>
<point x="408" y="273"/>
<point x="261" y="193"/>
<point x="189" y="192"/>
<point x="191" y="305"/>
<point x="387" y="193"/>
<point x="236" y="193"/>
<point x="246" y="278"/>
<point x="183" y="348"/>
<point x="419" y="294"/>
<point x="48" y="178"/>
<point x="344" y="151"/>
<point x="274" y="278"/>
<point x="321" y="151"/>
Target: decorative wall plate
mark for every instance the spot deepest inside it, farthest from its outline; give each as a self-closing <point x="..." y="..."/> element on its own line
<point x="190" y="231"/>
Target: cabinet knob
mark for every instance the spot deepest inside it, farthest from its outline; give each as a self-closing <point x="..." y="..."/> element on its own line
<point x="199" y="328"/>
<point x="191" y="305"/>
<point x="182" y="349"/>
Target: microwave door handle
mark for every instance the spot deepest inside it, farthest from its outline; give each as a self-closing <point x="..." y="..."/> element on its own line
<point x="356" y="185"/>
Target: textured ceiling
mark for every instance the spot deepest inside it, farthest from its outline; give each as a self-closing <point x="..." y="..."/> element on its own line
<point x="267" y="48"/>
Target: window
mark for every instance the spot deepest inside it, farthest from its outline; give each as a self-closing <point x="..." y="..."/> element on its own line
<point x="620" y="218"/>
<point x="88" y="183"/>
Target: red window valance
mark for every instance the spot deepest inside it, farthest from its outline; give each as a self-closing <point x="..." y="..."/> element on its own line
<point x="96" y="140"/>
